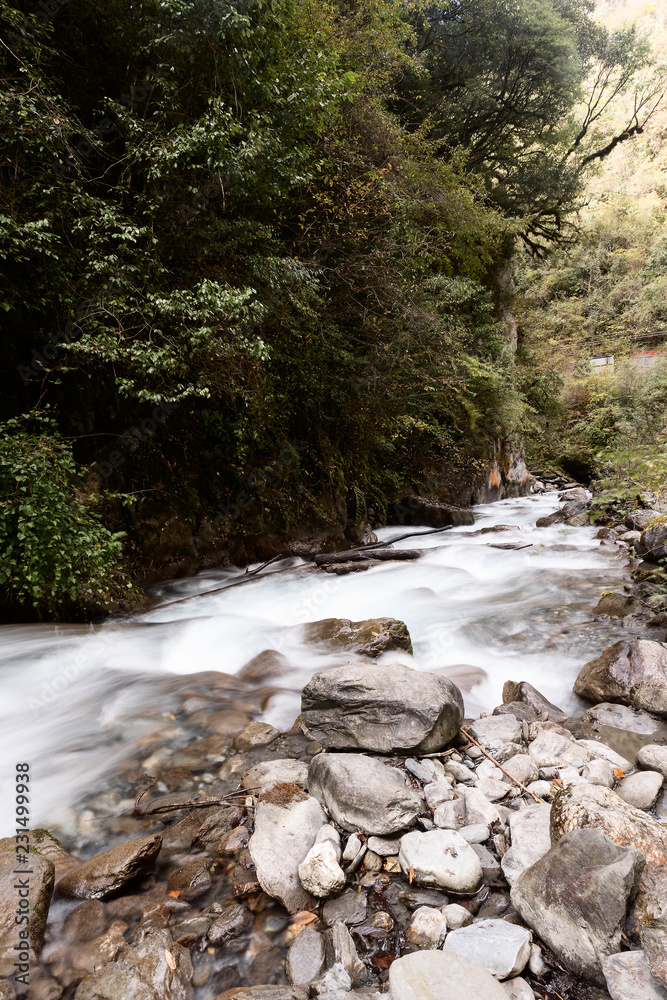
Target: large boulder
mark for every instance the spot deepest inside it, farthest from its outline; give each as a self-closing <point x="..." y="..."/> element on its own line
<point x="441" y="975"/>
<point x="653" y="542"/>
<point x="633" y="672"/>
<point x="104" y="874"/>
<point x="585" y="806"/>
<point x="387" y="709"/>
<point x="368" y="638"/>
<point x="287" y="822"/>
<point x="576" y="898"/>
<point x="362" y="793"/>
<point x="25" y="888"/>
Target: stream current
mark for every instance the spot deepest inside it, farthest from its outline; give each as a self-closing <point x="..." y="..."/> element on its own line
<point x="77" y="701"/>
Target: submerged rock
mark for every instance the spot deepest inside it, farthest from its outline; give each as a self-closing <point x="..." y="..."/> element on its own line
<point x="104" y="874"/>
<point x="363" y="794"/>
<point x="503" y="949"/>
<point x="383" y="708"/>
<point x="441" y="975"/>
<point x="576" y="898"/>
<point x="442" y="858"/>
<point x="633" y="672"/>
<point x="368" y="638"/>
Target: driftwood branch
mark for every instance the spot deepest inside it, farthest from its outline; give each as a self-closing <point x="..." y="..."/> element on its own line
<point x="193" y="803"/>
<point x="486" y="753"/>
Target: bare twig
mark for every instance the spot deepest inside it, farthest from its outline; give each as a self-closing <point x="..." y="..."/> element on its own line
<point x="506" y="773"/>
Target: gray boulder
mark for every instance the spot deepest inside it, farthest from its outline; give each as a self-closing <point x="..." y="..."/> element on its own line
<point x="551" y="749"/>
<point x="641" y="789"/>
<point x="628" y="977"/>
<point x="285" y="829"/>
<point x="632" y="672"/>
<point x="526" y="693"/>
<point x="441" y="975"/>
<point x="384" y="708"/>
<point x="576" y="898"/>
<point x="368" y="638"/>
<point x="502" y="948"/>
<point x="654" y="757"/>
<point x="441" y="858"/>
<point x="269" y="773"/>
<point x="104" y="874"/>
<point x="653" y="542"/>
<point x="639" y="520"/>
<point x="363" y="794"/>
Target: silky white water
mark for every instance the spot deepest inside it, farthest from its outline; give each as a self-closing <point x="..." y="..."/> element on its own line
<point x="76" y="700"/>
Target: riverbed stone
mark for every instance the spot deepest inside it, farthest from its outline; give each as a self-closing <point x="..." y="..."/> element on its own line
<point x="576" y="898"/>
<point x="600" y="750"/>
<point x="427" y="927"/>
<point x="264" y="992"/>
<point x="456" y="916"/>
<point x="654" y="757"/>
<point x="639" y="520"/>
<point x="305" y="957"/>
<point x="341" y="949"/>
<point x="530" y="839"/>
<point x="349" y="908"/>
<point x="599" y="772"/>
<point x="38" y="883"/>
<point x="628" y="977"/>
<point x="517" y="989"/>
<point x="163" y="964"/>
<point x="496" y="731"/>
<point x="230" y="923"/>
<point x="104" y="874"/>
<point x="525" y="692"/>
<point x="269" y="773"/>
<point x="502" y="948"/>
<point x="441" y="858"/>
<point x="633" y="672"/>
<point x="551" y="749"/>
<point x="616" y="606"/>
<point x="372" y="637"/>
<point x="389" y="708"/>
<point x="386" y="847"/>
<point x="653" y="542"/>
<point x="113" y="981"/>
<point x="285" y="830"/>
<point x="452" y="815"/>
<point x="441" y="975"/>
<point x="523" y="768"/>
<point x="641" y="789"/>
<point x="623" y="717"/>
<point x="362" y="793"/>
<point x="319" y="872"/>
<point x="255" y="734"/>
<point x="478" y="808"/>
<point x="475" y="833"/>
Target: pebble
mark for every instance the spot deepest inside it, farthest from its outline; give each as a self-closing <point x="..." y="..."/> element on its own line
<point x="457" y="916"/>
<point x="319" y="872"/>
<point x="475" y="833"/>
<point x="427" y="928"/>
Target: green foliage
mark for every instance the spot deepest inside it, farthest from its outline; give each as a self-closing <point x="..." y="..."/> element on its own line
<point x="55" y="551"/>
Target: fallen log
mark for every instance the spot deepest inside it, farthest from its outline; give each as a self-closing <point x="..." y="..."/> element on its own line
<point x="357" y="555"/>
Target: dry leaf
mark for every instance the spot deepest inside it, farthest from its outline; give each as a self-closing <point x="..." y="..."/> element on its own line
<point x="171" y="961"/>
<point x="304" y="917"/>
<point x="411" y="874"/>
<point x="175" y="893"/>
<point x="619" y="773"/>
<point x="557" y="783"/>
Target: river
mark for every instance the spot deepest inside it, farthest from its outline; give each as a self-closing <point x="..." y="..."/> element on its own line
<point x="77" y="701"/>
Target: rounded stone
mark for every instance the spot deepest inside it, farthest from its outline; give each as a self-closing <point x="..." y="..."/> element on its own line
<point x="442" y="858"/>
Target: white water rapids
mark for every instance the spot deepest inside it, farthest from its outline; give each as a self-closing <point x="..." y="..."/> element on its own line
<point x="76" y="700"/>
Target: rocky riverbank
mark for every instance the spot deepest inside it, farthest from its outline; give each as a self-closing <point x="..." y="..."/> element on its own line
<point x="384" y="845"/>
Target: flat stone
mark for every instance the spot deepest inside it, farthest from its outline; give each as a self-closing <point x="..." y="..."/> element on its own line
<point x="386" y="847"/>
<point x="305" y="957"/>
<point x="600" y="750"/>
<point x="456" y="916"/>
<point x="192" y="880"/>
<point x="576" y="897"/>
<point x="104" y="874"/>
<point x="530" y="838"/>
<point x="623" y="717"/>
<point x="427" y="928"/>
<point x="633" y="672"/>
<point x="349" y="908"/>
<point x="475" y="833"/>
<point x="319" y="872"/>
<point x="639" y="520"/>
<point x="284" y="833"/>
<point x="502" y="948"/>
<point x="654" y="757"/>
<point x="269" y="773"/>
<point x="628" y="977"/>
<point x="442" y="858"/>
<point x="551" y="749"/>
<point x="496" y="731"/>
<point x="114" y="981"/>
<point x="363" y="794"/>
<point x="423" y="770"/>
<point x="389" y="708"/>
<point x="441" y="975"/>
<point x="255" y="734"/>
<point x="641" y="789"/>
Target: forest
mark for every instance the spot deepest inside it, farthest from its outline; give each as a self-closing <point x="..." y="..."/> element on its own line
<point x="272" y="264"/>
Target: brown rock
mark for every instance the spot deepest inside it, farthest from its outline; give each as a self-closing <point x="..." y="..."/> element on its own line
<point x="38" y="884"/>
<point x="633" y="672"/>
<point x="255" y="734"/>
<point x="227" y="722"/>
<point x="265" y="666"/>
<point x="199" y="754"/>
<point x="163" y="964"/>
<point x="616" y="606"/>
<point x="265" y="993"/>
<point x="367" y="638"/>
<point x="191" y="881"/>
<point x="106" y="873"/>
<point x="233" y="921"/>
<point x="85" y="922"/>
<point x="526" y="693"/>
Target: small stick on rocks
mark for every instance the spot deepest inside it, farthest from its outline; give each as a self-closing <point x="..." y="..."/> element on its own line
<point x="506" y="773"/>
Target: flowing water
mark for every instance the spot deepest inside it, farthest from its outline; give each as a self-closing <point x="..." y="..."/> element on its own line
<point x="77" y="701"/>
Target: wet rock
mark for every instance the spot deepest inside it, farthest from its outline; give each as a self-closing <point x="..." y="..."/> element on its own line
<point x="653" y="542"/>
<point x="363" y="794"/>
<point x="441" y="975"/>
<point x="340" y="948"/>
<point x="163" y="964"/>
<point x="623" y="717"/>
<point x="255" y="734"/>
<point x="265" y="666"/>
<point x="599" y="772"/>
<point x="616" y="606"/>
<point x="633" y="672"/>
<point x="496" y="731"/>
<point x="113" y="982"/>
<point x="628" y="977"/>
<point x="417" y="510"/>
<point x="90" y="955"/>
<point x="442" y="858"/>
<point x="526" y="693"/>
<point x="654" y="757"/>
<point x="641" y="789"/>
<point x="350" y="908"/>
<point x="639" y="520"/>
<point x="191" y="881"/>
<point x="319" y="872"/>
<point x="200" y="754"/>
<point x="265" y="993"/>
<point x="106" y="873"/>
<point x="551" y="749"/>
<point x="367" y="638"/>
<point x="413" y="897"/>
<point x="503" y="949"/>
<point x="427" y="928"/>
<point x="523" y="768"/>
<point x="46" y="845"/>
<point x="530" y="838"/>
<point x="456" y="916"/>
<point x="576" y="897"/>
<point x="233" y="921"/>
<point x="36" y="888"/>
<point x="269" y="773"/>
<point x="85" y="921"/>
<point x="213" y="825"/>
<point x="388" y="708"/>
<point x="305" y="958"/>
<point x="549" y="520"/>
<point x="285" y="830"/>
